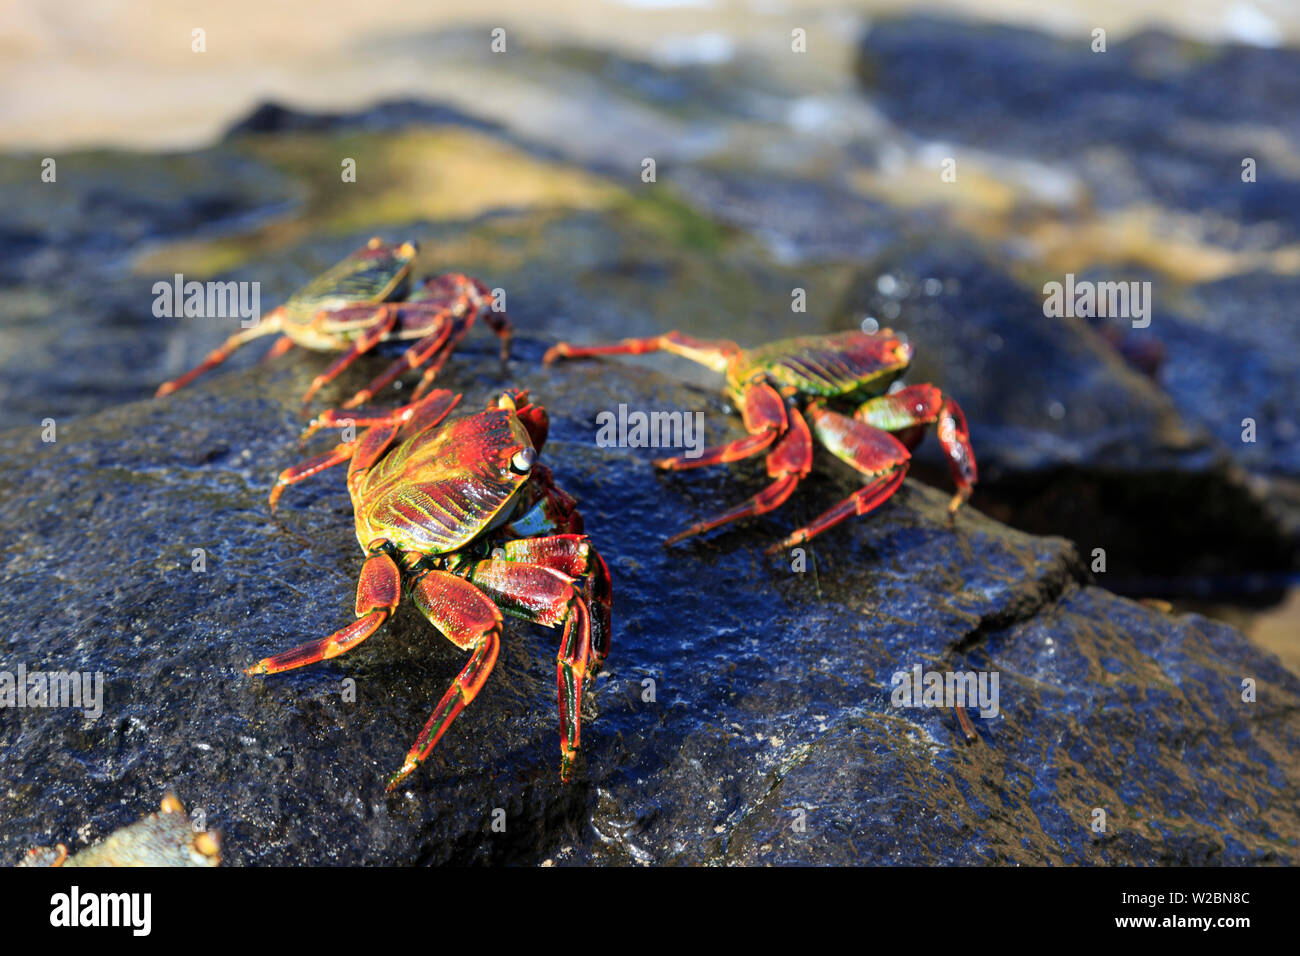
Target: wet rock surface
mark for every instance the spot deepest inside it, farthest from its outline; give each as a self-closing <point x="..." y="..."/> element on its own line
<point x="1151" y="118"/>
<point x="745" y="714"/>
<point x="1074" y="441"/>
<point x="1238" y="341"/>
<point x="78" y="325"/>
<point x="1156" y="129"/>
<point x="770" y="700"/>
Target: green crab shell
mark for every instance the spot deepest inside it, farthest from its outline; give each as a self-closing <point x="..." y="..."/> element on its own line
<point x="442" y="488"/>
<point x="376" y="273"/>
<point x="850" y="364"/>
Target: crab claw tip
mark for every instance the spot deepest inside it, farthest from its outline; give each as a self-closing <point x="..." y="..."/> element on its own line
<point x="680" y="536"/>
<point x="789" y="541"/>
<point x="396" y="779"/>
<point x="555" y="352"/>
<point x="208" y="844"/>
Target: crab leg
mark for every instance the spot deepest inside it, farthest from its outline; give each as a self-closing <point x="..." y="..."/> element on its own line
<point x="449" y="322"/>
<point x="713" y="353"/>
<point x="269" y="325"/>
<point x="765" y="419"/>
<point x="598" y="595"/>
<point x="858" y="503"/>
<point x="470" y="621"/>
<point x="281" y="345"/>
<point x="312" y="466"/>
<point x="919" y="405"/>
<point x="379" y="590"/>
<point x="367" y="340"/>
<point x="384" y="429"/>
<point x="496" y="321"/>
<point x="602" y="601"/>
<point x="789" y="462"/>
<point x="536" y="422"/>
<point x="547" y="596"/>
<point x="432" y="368"/>
<point x="415" y="356"/>
<point x="479" y="296"/>
<point x="571" y="668"/>
<point x="872" y="451"/>
<point x="574" y="555"/>
<point x="500" y="325"/>
<point x="416" y="412"/>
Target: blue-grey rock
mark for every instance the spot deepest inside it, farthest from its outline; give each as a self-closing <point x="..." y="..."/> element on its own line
<point x="771" y="695"/>
<point x="1071" y="440"/>
<point x="1153" y="118"/>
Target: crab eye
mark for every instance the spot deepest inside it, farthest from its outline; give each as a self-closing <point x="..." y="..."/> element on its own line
<point x="522" y="462"/>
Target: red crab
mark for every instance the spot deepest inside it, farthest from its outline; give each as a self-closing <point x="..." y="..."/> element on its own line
<point x="361" y="302"/>
<point x="840" y="383"/>
<point x="463" y="516"/>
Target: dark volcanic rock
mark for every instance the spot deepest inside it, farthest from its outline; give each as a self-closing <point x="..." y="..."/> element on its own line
<point x="771" y="688"/>
<point x="800" y="221"/>
<point x="1153" y="123"/>
<point x="286" y="769"/>
<point x="1153" y="118"/>
<point x="1073" y="441"/>
<point x="80" y="229"/>
<point x="1234" y="353"/>
<point x="77" y="330"/>
<point x="269" y="117"/>
<point x="745" y="715"/>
